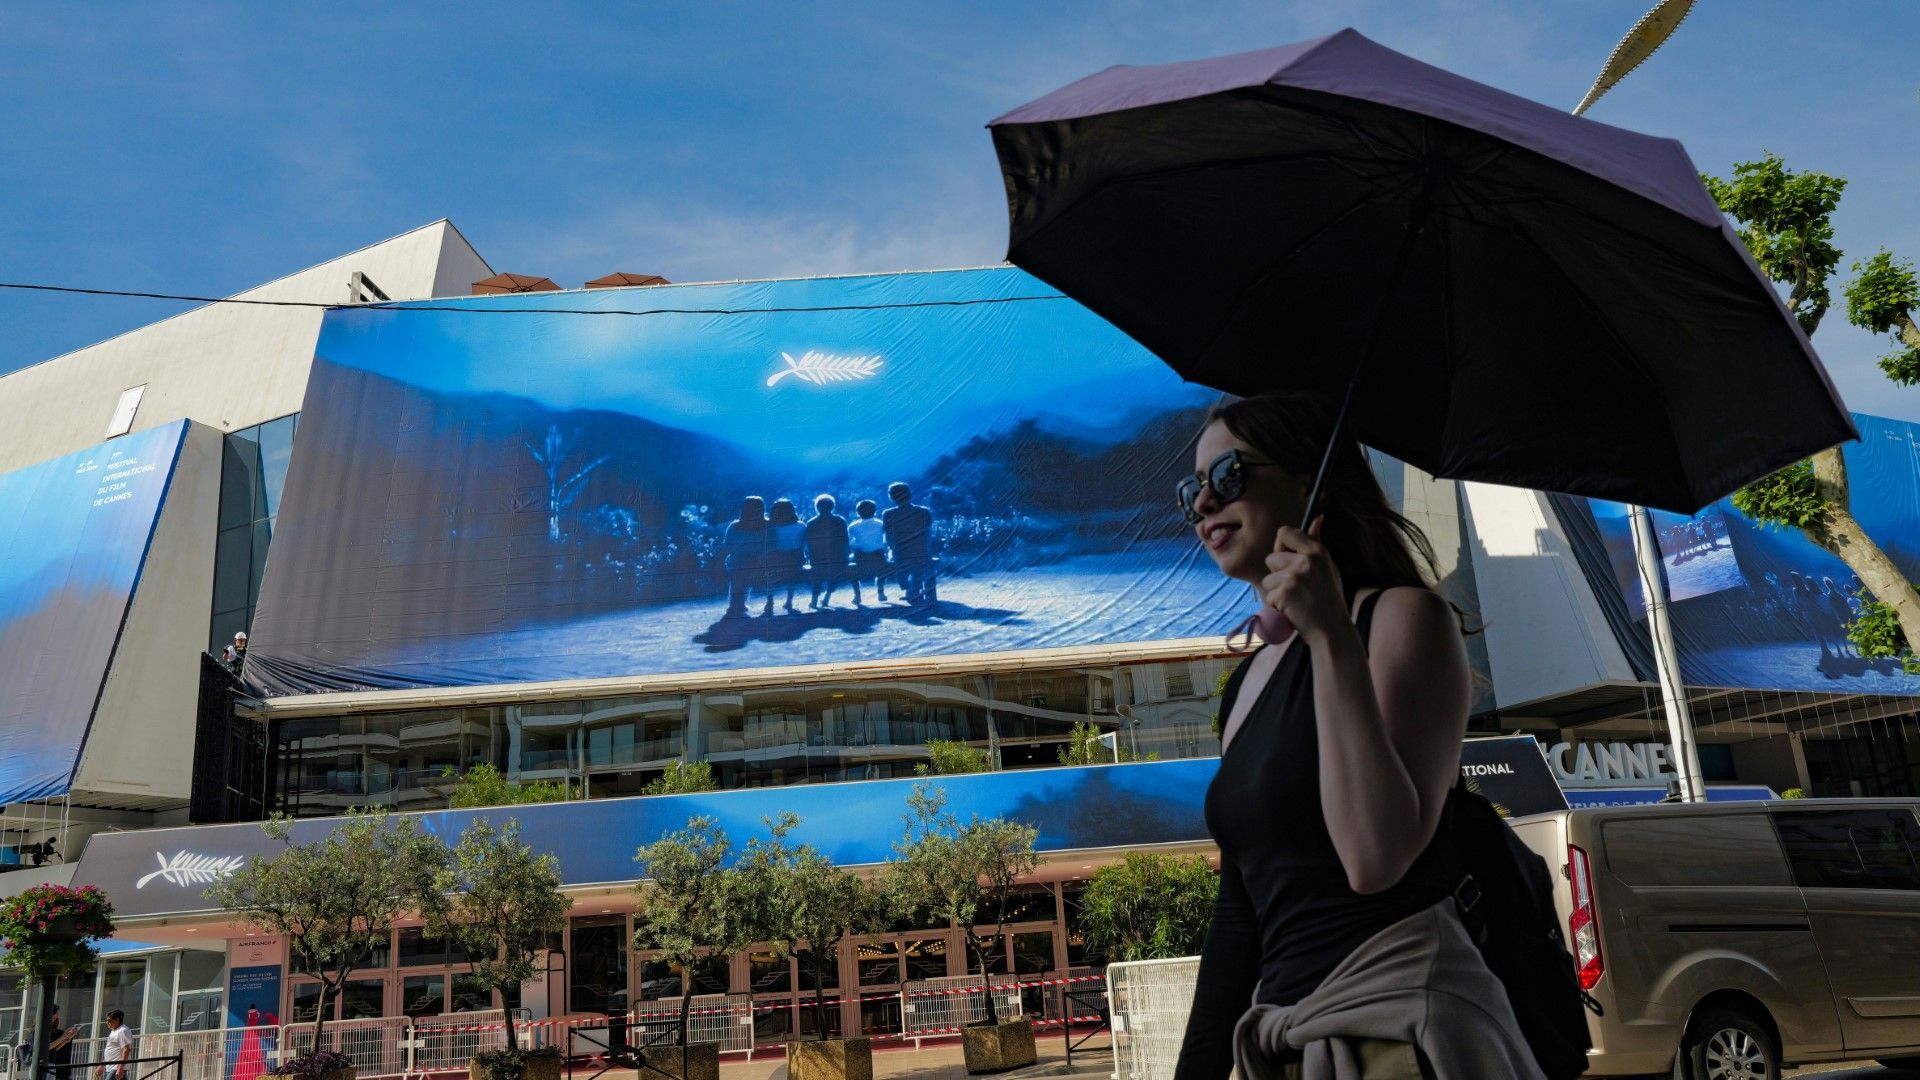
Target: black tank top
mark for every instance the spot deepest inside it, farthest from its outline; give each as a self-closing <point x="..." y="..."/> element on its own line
<point x="1285" y="917"/>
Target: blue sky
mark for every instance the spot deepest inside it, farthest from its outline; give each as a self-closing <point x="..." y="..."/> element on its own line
<point x="204" y="148"/>
<point x="939" y="375"/>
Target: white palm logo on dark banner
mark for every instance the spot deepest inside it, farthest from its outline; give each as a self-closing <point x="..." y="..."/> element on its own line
<point x="821" y="368"/>
<point x="186" y="869"/>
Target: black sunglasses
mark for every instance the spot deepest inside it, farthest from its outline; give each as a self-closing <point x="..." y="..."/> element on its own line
<point x="1226" y="477"/>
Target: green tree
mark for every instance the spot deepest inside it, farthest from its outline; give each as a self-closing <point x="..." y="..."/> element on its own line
<point x="1149" y="906"/>
<point x="960" y="873"/>
<point x="1085" y="748"/>
<point x="951" y="757"/>
<point x="501" y="903"/>
<point x="692" y="904"/>
<point x="1786" y="221"/>
<point x="682" y="778"/>
<point x="336" y="899"/>
<point x="817" y="904"/>
<point x="482" y="785"/>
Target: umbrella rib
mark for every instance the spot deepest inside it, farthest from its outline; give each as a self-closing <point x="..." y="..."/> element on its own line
<point x="1278" y="265"/>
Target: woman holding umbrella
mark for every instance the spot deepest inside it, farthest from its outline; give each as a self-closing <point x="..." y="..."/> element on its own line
<point x="1341" y="739"/>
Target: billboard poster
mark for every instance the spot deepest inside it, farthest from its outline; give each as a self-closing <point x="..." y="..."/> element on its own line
<point x="1756" y="607"/>
<point x="1071" y="808"/>
<point x="73" y="541"/>
<point x="1510" y="771"/>
<point x="758" y="475"/>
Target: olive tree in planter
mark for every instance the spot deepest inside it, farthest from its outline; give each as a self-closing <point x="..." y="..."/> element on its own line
<point x="501" y="903"/>
<point x="693" y="905"/>
<point x="815" y="905"/>
<point x="335" y="900"/>
<point x="965" y="873"/>
<point x="49" y="931"/>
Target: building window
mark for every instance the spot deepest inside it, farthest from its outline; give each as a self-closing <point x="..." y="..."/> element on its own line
<point x="598" y="975"/>
<point x="253" y="474"/>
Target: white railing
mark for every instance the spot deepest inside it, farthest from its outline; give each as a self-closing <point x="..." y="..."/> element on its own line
<point x="374" y="1044"/>
<point x="946" y="1005"/>
<point x="726" y="1019"/>
<point x="1150" y="1000"/>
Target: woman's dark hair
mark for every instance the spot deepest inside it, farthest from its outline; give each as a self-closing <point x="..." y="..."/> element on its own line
<point x="753" y="510"/>
<point x="1372" y="544"/>
<point x="782" y="513"/>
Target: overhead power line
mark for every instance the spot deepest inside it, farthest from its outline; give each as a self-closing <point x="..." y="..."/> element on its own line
<point x="409" y="305"/>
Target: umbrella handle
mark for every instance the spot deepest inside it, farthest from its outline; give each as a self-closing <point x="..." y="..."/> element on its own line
<point x="1416" y="222"/>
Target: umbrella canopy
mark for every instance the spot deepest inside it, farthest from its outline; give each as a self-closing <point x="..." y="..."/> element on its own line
<point x="514" y="283"/>
<point x="1526" y="297"/>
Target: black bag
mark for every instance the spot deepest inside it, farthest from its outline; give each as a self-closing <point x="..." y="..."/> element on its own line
<point x="1505" y="895"/>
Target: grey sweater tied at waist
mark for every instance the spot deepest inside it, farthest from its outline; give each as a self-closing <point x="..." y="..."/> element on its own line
<point x="1420" y="981"/>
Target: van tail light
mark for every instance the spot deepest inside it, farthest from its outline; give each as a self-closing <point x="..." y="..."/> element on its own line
<point x="1583" y="929"/>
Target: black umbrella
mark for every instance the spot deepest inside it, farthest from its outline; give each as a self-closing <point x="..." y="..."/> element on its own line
<point x="1498" y="290"/>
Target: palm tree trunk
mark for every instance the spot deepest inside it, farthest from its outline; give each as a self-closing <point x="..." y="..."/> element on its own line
<point x="1844" y="537"/>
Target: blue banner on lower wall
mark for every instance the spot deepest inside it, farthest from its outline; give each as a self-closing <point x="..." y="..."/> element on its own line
<point x="1636" y="796"/>
<point x="73" y="541"/>
<point x="163" y="871"/>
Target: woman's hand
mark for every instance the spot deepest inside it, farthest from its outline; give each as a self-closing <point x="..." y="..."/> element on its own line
<point x="1303" y="584"/>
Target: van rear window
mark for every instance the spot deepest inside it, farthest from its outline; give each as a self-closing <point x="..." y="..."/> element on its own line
<point x="1732" y="849"/>
<point x="1852" y="849"/>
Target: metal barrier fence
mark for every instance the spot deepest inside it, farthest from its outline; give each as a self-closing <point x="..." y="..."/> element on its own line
<point x="446" y="1043"/>
<point x="944" y="1006"/>
<point x="216" y="1054"/>
<point x="374" y="1045"/>
<point x="726" y="1019"/>
<point x="1150" y="1000"/>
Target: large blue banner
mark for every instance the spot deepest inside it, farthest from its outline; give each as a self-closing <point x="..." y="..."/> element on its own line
<point x="754" y="475"/>
<point x="166" y="871"/>
<point x="1764" y="608"/>
<point x="73" y="539"/>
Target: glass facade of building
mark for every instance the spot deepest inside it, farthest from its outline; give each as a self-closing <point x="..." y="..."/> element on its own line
<point x="752" y="738"/>
<point x="253" y="473"/>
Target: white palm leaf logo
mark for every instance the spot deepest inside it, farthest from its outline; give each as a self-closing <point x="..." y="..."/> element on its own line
<point x="187" y="869"/>
<point x="821" y="368"/>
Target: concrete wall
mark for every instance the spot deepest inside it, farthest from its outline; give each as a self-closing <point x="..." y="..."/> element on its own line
<point x="1545" y="633"/>
<point x="225" y="365"/>
<point x="140" y="746"/>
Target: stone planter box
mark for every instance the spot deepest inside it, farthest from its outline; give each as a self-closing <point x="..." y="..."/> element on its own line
<point x="997" y="1047"/>
<point x="703" y="1062"/>
<point x="544" y="1067"/>
<point x="834" y="1059"/>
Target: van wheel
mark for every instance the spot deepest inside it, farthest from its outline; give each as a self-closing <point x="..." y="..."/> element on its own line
<point x="1722" y="1044"/>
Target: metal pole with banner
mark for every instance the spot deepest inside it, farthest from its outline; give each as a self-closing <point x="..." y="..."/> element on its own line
<point x="1666" y="658"/>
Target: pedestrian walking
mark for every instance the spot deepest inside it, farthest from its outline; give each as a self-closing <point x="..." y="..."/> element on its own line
<point x="1347" y="725"/>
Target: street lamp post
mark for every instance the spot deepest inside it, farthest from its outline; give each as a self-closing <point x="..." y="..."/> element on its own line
<point x="1646" y="36"/>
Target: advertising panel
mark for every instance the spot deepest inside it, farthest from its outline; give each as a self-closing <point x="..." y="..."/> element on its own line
<point x="1756" y="607"/>
<point x="166" y="871"/>
<point x="758" y="475"/>
<point x="73" y="541"/>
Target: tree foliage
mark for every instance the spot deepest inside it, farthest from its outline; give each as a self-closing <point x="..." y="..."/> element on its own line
<point x="336" y="899"/>
<point x="482" y="785"/>
<point x="682" y="778"/>
<point x="815" y="904"/>
<point x="1790" y="497"/>
<point x="1875" y="633"/>
<point x="961" y="873"/>
<point x="1785" y="219"/>
<point x="501" y="903"/>
<point x="1149" y="906"/>
<point x="951" y="757"/>
<point x="692" y="903"/>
